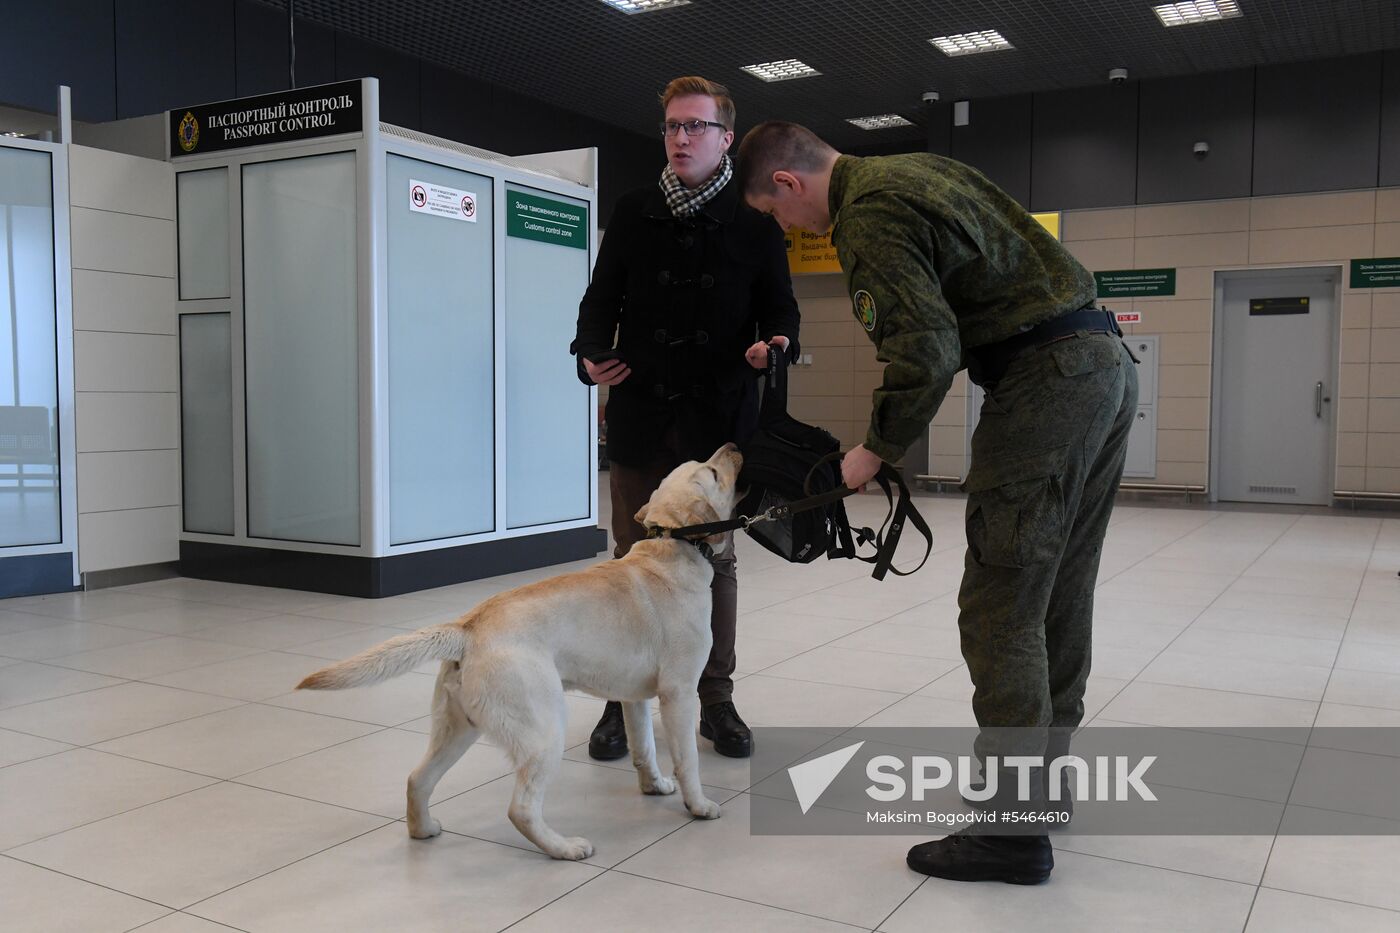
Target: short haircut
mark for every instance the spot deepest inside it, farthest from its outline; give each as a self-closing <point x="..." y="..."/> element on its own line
<point x="691" y="85"/>
<point x="778" y="146"/>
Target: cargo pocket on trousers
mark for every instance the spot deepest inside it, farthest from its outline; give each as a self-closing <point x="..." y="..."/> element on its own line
<point x="1015" y="508"/>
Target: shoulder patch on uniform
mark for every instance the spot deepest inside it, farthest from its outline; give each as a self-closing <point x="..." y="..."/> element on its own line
<point x="865" y="309"/>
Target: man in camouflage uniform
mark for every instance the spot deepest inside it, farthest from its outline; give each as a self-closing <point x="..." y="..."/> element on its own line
<point x="946" y="270"/>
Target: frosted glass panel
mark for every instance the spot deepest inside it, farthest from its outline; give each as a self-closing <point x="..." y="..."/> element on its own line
<point x="203" y="199"/>
<point x="300" y="349"/>
<point x="441" y="374"/>
<point x="548" y="461"/>
<point x="29" y="474"/>
<point x="206" y="422"/>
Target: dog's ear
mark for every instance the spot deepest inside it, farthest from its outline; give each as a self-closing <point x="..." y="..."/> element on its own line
<point x="641" y="517"/>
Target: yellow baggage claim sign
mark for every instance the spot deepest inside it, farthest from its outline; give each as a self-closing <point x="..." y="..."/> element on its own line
<point x="809" y="253"/>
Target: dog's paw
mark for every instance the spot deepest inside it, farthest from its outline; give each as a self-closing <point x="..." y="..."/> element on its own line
<point x="660" y="787"/>
<point x="704" y="809"/>
<point x="574" y="849"/>
<point x="427" y="830"/>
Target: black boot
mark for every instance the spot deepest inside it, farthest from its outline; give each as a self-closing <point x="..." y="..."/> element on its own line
<point x="609" y="738"/>
<point x="966" y="857"/>
<point x="720" y="723"/>
<point x="977" y="854"/>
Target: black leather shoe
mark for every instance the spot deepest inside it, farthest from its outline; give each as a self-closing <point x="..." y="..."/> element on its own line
<point x="720" y="723"/>
<point x="609" y="738"/>
<point x="962" y="857"/>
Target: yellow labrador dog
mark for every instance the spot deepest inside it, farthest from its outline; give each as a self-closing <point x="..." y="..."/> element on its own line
<point x="628" y="630"/>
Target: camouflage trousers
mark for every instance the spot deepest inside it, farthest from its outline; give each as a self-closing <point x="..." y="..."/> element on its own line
<point x="1047" y="457"/>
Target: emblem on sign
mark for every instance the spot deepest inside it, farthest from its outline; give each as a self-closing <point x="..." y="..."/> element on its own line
<point x="468" y="206"/>
<point x="189" y="132"/>
<point x="865" y="309"/>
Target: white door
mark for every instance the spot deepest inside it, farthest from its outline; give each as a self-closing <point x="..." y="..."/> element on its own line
<point x="1274" y="381"/>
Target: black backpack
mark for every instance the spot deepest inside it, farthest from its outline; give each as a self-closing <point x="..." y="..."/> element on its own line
<point x="794" y="506"/>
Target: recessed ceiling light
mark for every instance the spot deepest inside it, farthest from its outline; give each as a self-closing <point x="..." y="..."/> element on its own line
<point x="785" y="70"/>
<point x="1196" y="11"/>
<point x="644" y="6"/>
<point x="882" y="122"/>
<point x="970" y="43"/>
<point x="12" y="133"/>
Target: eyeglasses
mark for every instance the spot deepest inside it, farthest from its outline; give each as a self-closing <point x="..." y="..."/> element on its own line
<point x="692" y="127"/>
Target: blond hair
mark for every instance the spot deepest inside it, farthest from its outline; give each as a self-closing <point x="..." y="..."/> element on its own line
<point x="692" y="85"/>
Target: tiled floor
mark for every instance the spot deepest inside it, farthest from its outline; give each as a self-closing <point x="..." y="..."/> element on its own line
<point x="157" y="772"/>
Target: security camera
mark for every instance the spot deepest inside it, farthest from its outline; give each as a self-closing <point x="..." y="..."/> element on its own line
<point x="1117" y="75"/>
<point x="930" y="97"/>
<point x="1200" y="150"/>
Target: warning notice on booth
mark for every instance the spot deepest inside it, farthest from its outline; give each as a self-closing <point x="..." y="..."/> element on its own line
<point x="424" y="197"/>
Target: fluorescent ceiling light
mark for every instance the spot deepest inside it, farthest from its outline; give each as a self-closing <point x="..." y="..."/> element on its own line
<point x="1196" y="11"/>
<point x="644" y="6"/>
<point x="970" y="43"/>
<point x="785" y="70"/>
<point x="882" y="122"/>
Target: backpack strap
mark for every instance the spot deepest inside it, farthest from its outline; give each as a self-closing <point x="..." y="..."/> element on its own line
<point x="903" y="511"/>
<point x="775" y="387"/>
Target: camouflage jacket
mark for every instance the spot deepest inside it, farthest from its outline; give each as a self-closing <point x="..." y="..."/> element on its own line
<point x="939" y="260"/>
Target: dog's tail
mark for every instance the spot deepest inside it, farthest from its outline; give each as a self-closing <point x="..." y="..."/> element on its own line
<point x="394" y="657"/>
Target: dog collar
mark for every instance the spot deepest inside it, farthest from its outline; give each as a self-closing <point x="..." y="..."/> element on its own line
<point x="700" y="545"/>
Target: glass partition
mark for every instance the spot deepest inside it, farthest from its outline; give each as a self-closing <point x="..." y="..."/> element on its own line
<point x="206" y="422"/>
<point x="30" y="510"/>
<point x="299" y="293"/>
<point x="548" y="460"/>
<point x="441" y="352"/>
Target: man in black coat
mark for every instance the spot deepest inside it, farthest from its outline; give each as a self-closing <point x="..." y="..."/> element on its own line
<point x="695" y="284"/>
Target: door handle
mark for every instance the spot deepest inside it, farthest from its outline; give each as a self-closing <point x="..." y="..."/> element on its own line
<point x="1317" y="400"/>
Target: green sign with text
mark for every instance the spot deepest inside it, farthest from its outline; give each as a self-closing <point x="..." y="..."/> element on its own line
<point x="547" y="220"/>
<point x="1375" y="273"/>
<point x="1135" y="283"/>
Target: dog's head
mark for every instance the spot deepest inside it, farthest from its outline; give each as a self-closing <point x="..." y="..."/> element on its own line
<point x="695" y="493"/>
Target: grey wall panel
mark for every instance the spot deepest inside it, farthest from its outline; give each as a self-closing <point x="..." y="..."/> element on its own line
<point x="398" y="76"/>
<point x="262" y="50"/>
<point x="1084" y="148"/>
<point x="1390" y="120"/>
<point x="997" y="142"/>
<point x="60" y="42"/>
<point x="1317" y="125"/>
<point x="171" y="53"/>
<point x="1175" y="114"/>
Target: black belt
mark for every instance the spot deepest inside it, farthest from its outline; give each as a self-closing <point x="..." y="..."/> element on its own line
<point x="986" y="365"/>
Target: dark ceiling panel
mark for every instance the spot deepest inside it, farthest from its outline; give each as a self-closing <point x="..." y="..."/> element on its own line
<point x="997" y="142"/>
<point x="398" y="74"/>
<point x="59" y="29"/>
<point x="1177" y="113"/>
<point x="262" y="50"/>
<point x="1084" y="148"/>
<point x="874" y="55"/>
<point x="1390" y="121"/>
<point x="1317" y="129"/>
<point x="156" y="39"/>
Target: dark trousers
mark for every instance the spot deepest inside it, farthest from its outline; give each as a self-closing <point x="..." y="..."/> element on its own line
<point x="1047" y="457"/>
<point x="631" y="486"/>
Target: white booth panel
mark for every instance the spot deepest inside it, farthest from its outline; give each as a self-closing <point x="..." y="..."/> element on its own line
<point x="441" y="352"/>
<point x="300" y="349"/>
<point x="548" y="460"/>
<point x="206" y="422"/>
<point x="29" y="475"/>
<point x="203" y="230"/>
